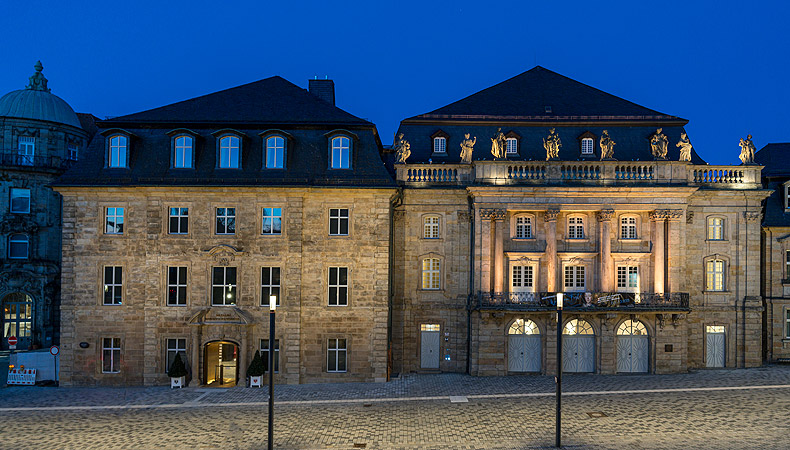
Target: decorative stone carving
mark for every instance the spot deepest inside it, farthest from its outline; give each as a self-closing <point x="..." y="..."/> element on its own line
<point x="402" y="149"/>
<point x="467" y="148"/>
<point x="747" y="150"/>
<point x="551" y="215"/>
<point x="676" y="318"/>
<point x="661" y="214"/>
<point x="37" y="80"/>
<point x="224" y="254"/>
<point x="498" y="145"/>
<point x="685" y="147"/>
<point x="552" y="144"/>
<point x="464" y="216"/>
<point x="492" y="214"/>
<point x="658" y="144"/>
<point x="752" y="215"/>
<point x="660" y="318"/>
<point x="605" y="215"/>
<point x="398" y="215"/>
<point x="607" y="146"/>
<point x="689" y="217"/>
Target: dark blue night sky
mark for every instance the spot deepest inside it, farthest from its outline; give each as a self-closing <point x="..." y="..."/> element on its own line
<point x="725" y="66"/>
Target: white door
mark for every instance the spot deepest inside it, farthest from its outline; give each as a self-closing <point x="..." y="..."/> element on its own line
<point x="429" y="349"/>
<point x="714" y="355"/>
<point x="632" y="354"/>
<point x="524" y="353"/>
<point x="578" y="353"/>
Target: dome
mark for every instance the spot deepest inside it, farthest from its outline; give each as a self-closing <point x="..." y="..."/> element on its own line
<point x="37" y="103"/>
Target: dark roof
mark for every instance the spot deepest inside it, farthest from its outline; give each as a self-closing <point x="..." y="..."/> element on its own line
<point x="776" y="161"/>
<point x="273" y="100"/>
<point x="525" y="97"/>
<point x="88" y="123"/>
<point x="775" y="158"/>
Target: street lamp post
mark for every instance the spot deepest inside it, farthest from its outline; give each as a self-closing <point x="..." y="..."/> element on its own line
<point x="272" y="309"/>
<point x="559" y="368"/>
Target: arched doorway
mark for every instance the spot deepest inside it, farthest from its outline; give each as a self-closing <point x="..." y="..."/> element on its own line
<point x="221" y="364"/>
<point x="17" y="319"/>
<point x="632" y="347"/>
<point x="578" y="346"/>
<point x="524" y="347"/>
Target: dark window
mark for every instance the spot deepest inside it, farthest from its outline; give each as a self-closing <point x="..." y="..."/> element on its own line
<point x="113" y="285"/>
<point x="179" y="221"/>
<point x="265" y="354"/>
<point x="338" y="222"/>
<point x="270" y="285"/>
<point x="223" y="286"/>
<point x="338" y="286"/>
<point x="176" y="286"/>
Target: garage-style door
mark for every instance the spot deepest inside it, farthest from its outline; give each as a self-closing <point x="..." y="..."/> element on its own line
<point x="429" y="346"/>
<point x="524" y="347"/>
<point x="714" y="343"/>
<point x="578" y="346"/>
<point x="632" y="347"/>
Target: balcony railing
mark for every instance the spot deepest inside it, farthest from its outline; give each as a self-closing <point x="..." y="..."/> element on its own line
<point x="581" y="301"/>
<point x="12" y="158"/>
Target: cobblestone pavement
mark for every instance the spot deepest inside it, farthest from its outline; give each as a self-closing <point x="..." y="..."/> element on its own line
<point x="688" y="411"/>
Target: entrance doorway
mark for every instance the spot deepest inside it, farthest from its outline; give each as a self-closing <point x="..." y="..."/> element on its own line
<point x="578" y="347"/>
<point x="17" y="319"/>
<point x="524" y="346"/>
<point x="632" y="347"/>
<point x="714" y="343"/>
<point x="220" y="364"/>
<point x="429" y="346"/>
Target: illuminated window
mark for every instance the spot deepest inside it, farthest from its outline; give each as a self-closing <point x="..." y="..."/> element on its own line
<point x="575" y="228"/>
<point x="111" y="355"/>
<point x="275" y="152"/>
<point x="511" y="145"/>
<point x="578" y="327"/>
<point x="226" y="221"/>
<point x="175" y="347"/>
<point x="183" y="152"/>
<point x="439" y="145"/>
<point x="20" y="200"/>
<point x="628" y="228"/>
<point x="270" y="285"/>
<point x="430" y="227"/>
<point x="113" y="220"/>
<point x="523" y="326"/>
<point x="522" y="279"/>
<point x="628" y="278"/>
<point x="176" y="286"/>
<point x="341" y="153"/>
<point x="574" y="278"/>
<point x="524" y="227"/>
<point x="223" y="286"/>
<point x="338" y="221"/>
<point x="715" y="228"/>
<point x="179" y="221"/>
<point x="18" y="246"/>
<point x="338" y="286"/>
<point x="118" y="151"/>
<point x="113" y="285"/>
<point x="336" y="355"/>
<point x="587" y="146"/>
<point x="632" y="328"/>
<point x="431" y="276"/>
<point x="272" y="221"/>
<point x="714" y="275"/>
<point x="265" y="355"/>
<point x="430" y="327"/>
<point x="714" y="329"/>
<point x="229" y="152"/>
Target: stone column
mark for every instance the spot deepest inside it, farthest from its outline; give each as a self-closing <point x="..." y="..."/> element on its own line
<point x="194" y="362"/>
<point x="485" y="250"/>
<point x="658" y="217"/>
<point x="243" y="350"/>
<point x="673" y="270"/>
<point x="550" y="222"/>
<point x="605" y="218"/>
<point x="498" y="217"/>
<point x="492" y="217"/>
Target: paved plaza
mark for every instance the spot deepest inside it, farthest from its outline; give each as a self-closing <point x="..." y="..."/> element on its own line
<point x="704" y="409"/>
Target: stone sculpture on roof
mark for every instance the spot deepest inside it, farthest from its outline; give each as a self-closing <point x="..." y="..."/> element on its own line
<point x="658" y="144"/>
<point x="747" y="150"/>
<point x="467" y="147"/>
<point x="402" y="149"/>
<point x="552" y="144"/>
<point x="37" y="81"/>
<point x="498" y="145"/>
<point x="685" y="147"/>
<point x="607" y="146"/>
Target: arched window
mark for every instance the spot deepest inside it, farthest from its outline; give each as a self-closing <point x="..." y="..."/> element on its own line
<point x="229" y="147"/>
<point x="715" y="228"/>
<point x="628" y="227"/>
<point x="524" y="227"/>
<point x="118" y="151"/>
<point x="576" y="227"/>
<point x="440" y="145"/>
<point x="578" y="327"/>
<point x="430" y="227"/>
<point x="341" y="152"/>
<point x="632" y="328"/>
<point x="523" y="326"/>
<point x="431" y="273"/>
<point x="18" y="245"/>
<point x="275" y="152"/>
<point x="182" y="158"/>
<point x="714" y="274"/>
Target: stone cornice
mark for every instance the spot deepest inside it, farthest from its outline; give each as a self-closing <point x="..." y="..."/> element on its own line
<point x="492" y="214"/>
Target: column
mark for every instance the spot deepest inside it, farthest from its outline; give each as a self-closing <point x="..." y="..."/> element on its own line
<point x="674" y="247"/>
<point x="605" y="219"/>
<point x="492" y="228"/>
<point x="485" y="250"/>
<point x="658" y="217"/>
<point x="194" y="362"/>
<point x="243" y="350"/>
<point x="550" y="223"/>
<point x="498" y="217"/>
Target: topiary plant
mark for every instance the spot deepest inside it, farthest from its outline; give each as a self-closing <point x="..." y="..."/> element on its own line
<point x="256" y="369"/>
<point x="177" y="369"/>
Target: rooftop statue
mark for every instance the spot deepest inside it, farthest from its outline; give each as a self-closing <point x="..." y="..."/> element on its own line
<point x="685" y="147"/>
<point x="498" y="145"/>
<point x="747" y="150"/>
<point x="658" y="144"/>
<point x="607" y="146"/>
<point x="37" y="80"/>
<point x="402" y="149"/>
<point x="552" y="145"/>
<point x="467" y="147"/>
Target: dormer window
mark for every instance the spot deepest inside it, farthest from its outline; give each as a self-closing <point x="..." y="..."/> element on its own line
<point x="183" y="147"/>
<point x="787" y="197"/>
<point x="439" y="145"/>
<point x="118" y="151"/>
<point x="275" y="152"/>
<point x="587" y="146"/>
<point x="229" y="149"/>
<point x="341" y="152"/>
<point x="511" y="145"/>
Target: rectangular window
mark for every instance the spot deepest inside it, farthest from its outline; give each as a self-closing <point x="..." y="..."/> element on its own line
<point x="179" y="221"/>
<point x="336" y="355"/>
<point x="27" y="150"/>
<point x="275" y="149"/>
<point x="272" y="221"/>
<point x="341" y="152"/>
<point x="439" y="145"/>
<point x="430" y="228"/>
<point x="20" y="200"/>
<point x="628" y="278"/>
<point x="72" y="152"/>
<point x="787" y="323"/>
<point x="511" y="145"/>
<point x="715" y="275"/>
<point x="715" y="228"/>
<point x="111" y="355"/>
<point x="522" y="279"/>
<point x="574" y="278"/>
<point x="587" y="146"/>
<point x="183" y="148"/>
<point x="787" y="264"/>
<point x="338" y="286"/>
<point x="176" y="286"/>
<point x="338" y="222"/>
<point x="787" y="197"/>
<point x="174" y="347"/>
<point x="265" y="355"/>
<point x="113" y="220"/>
<point x="524" y="227"/>
<point x="575" y="228"/>
<point x="18" y="246"/>
<point x="628" y="228"/>
<point x="226" y="220"/>
<point x="223" y="286"/>
<point x="431" y="273"/>
<point x="113" y="285"/>
<point x="270" y="285"/>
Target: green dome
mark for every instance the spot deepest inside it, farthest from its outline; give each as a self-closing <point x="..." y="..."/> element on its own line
<point x="37" y="103"/>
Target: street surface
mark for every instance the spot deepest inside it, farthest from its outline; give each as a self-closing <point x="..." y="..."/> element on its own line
<point x="706" y="409"/>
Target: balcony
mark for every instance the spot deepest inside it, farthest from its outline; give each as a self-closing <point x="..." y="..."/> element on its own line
<point x="581" y="301"/>
<point x="12" y="158"/>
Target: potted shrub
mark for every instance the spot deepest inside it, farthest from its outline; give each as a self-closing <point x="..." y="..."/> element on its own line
<point x="177" y="372"/>
<point x="256" y="370"/>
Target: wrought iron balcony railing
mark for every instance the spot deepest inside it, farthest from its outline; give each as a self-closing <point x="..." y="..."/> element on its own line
<point x="13" y="158"/>
<point x="593" y="301"/>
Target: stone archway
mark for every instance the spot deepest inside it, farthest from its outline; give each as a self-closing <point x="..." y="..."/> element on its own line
<point x="224" y="324"/>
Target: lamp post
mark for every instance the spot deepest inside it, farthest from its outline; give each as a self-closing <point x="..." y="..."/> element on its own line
<point x="272" y="309"/>
<point x="559" y="368"/>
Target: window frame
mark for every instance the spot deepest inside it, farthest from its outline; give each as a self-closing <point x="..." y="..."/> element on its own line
<point x="230" y="147"/>
<point x="226" y="286"/>
<point x="431" y="275"/>
<point x="108" y="215"/>
<point x="122" y="159"/>
<point x="634" y="227"/>
<point x="338" y="286"/>
<point x="226" y="216"/>
<point x="530" y="218"/>
<point x="337" y="350"/>
<point x="72" y="152"/>
<point x="180" y="219"/>
<point x="711" y="227"/>
<point x="440" y="143"/>
<point x="349" y="149"/>
<point x="428" y="229"/>
<point x="265" y="350"/>
<point x="271" y="286"/>
<point x="339" y="217"/>
<point x="113" y="286"/>
<point x="273" y="218"/>
<point x="184" y="159"/>
<point x="712" y="276"/>
<point x="12" y="242"/>
<point x="282" y="154"/>
<point x="787" y="265"/>
<point x="574" y="270"/>
<point x="175" y="350"/>
<point x="114" y="347"/>
<point x="591" y="146"/>
<point x="11" y="200"/>
<point x="787" y="323"/>
<point x="576" y="226"/>
<point x="508" y="142"/>
<point x="181" y="286"/>
<point x="627" y="271"/>
<point x="521" y="268"/>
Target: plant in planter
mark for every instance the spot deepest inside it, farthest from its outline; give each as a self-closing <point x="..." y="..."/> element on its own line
<point x="177" y="372"/>
<point x="256" y="370"/>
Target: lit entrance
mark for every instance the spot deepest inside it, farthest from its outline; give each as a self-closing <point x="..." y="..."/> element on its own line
<point x="220" y="364"/>
<point x="17" y="319"/>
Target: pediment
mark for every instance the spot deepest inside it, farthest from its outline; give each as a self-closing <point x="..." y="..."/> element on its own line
<point x="224" y="254"/>
<point x="221" y="315"/>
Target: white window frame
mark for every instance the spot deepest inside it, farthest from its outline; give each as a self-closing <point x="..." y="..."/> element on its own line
<point x="268" y="285"/>
<point x="787" y="264"/>
<point x="787" y="323"/>
<point x="177" y="286"/>
<point x="114" y="215"/>
<point x="511" y="146"/>
<point x="275" y="152"/>
<point x="184" y="148"/>
<point x="431" y="274"/>
<point x="524" y="227"/>
<point x="72" y="152"/>
<point x="334" y="350"/>
<point x="223" y="217"/>
<point x="228" y="287"/>
<point x="588" y="146"/>
<point x="181" y="216"/>
<point x="26" y="150"/>
<point x="430" y="227"/>
<point x="627" y="278"/>
<point x="118" y="151"/>
<point x="715" y="228"/>
<point x="16" y="240"/>
<point x="173" y="346"/>
<point x="229" y="147"/>
<point x="341" y="153"/>
<point x="574" y="278"/>
<point x="338" y="216"/>
<point x="264" y="349"/>
<point x="787" y="196"/>
<point x="628" y="227"/>
<point x="274" y="218"/>
<point x="21" y="193"/>
<point x="112" y="285"/>
<point x="576" y="227"/>
<point x="522" y="278"/>
<point x="113" y="346"/>
<point x="715" y="275"/>
<point x="440" y="144"/>
<point x="334" y="285"/>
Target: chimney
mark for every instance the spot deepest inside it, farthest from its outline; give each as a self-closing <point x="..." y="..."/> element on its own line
<point x="323" y="89"/>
